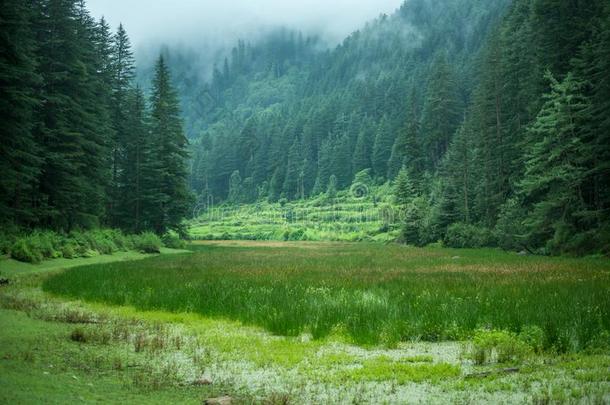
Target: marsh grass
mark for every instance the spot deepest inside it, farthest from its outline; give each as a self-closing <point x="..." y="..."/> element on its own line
<point x="369" y="293"/>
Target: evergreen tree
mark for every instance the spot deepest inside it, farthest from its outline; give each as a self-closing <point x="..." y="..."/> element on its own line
<point x="122" y="69"/>
<point x="404" y="192"/>
<point x="382" y="148"/>
<point x="170" y="153"/>
<point x="72" y="128"/>
<point x="138" y="174"/>
<point x="21" y="159"/>
<point x="293" y="170"/>
<point x="362" y="153"/>
<point x="442" y="111"/>
<point x="555" y="165"/>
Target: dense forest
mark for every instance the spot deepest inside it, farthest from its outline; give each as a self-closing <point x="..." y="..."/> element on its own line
<point x="82" y="147"/>
<point x="491" y="118"/>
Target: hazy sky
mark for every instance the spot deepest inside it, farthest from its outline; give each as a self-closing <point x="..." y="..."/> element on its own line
<point x="209" y="21"/>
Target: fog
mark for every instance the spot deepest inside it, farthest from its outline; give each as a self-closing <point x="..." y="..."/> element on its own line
<point x="213" y="23"/>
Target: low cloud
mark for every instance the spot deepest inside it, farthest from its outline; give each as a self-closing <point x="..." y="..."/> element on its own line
<point x="207" y="22"/>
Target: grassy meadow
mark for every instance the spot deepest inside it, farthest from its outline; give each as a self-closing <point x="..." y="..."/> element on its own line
<point x="268" y="322"/>
<point x="367" y="293"/>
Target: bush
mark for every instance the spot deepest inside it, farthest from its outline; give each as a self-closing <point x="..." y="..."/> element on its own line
<point x="118" y="238"/>
<point x="45" y="243"/>
<point x="533" y="336"/>
<point x="296" y="235"/>
<point x="23" y="252"/>
<point x="462" y="235"/>
<point x="173" y="241"/>
<point x="101" y="241"/>
<point x="147" y="242"/>
<point x="68" y="251"/>
<point x="499" y="346"/>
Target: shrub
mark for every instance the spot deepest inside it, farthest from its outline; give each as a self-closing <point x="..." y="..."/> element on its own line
<point x="147" y="242"/>
<point x="44" y="243"/>
<point x="297" y="234"/>
<point x="68" y="251"/>
<point x="533" y="336"/>
<point x="23" y="252"/>
<point x="5" y="243"/>
<point x="460" y="235"/>
<point x="122" y="242"/>
<point x="173" y="241"/>
<point x="78" y="335"/>
<point x="499" y="346"/>
<point x="101" y="241"/>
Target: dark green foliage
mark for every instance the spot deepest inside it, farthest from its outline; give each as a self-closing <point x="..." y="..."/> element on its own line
<point x="20" y="160"/>
<point x="173" y="241"/>
<point x="23" y="252"/>
<point x="41" y="245"/>
<point x="417" y="229"/>
<point x="461" y="235"/>
<point x="453" y="92"/>
<point x="173" y="198"/>
<point x="75" y="144"/>
<point x="555" y="166"/>
<point x="404" y="192"/>
<point x="382" y="147"/>
<point x="442" y="111"/>
<point x="336" y="112"/>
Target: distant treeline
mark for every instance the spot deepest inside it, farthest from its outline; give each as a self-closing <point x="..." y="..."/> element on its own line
<point x="496" y="114"/>
<point x="81" y="147"/>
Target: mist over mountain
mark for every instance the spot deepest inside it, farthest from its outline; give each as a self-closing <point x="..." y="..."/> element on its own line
<point x="213" y="25"/>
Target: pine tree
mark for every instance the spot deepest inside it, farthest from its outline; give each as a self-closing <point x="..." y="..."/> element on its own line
<point x="290" y="187"/>
<point x="138" y="174"/>
<point x="122" y="69"/>
<point x="170" y="152"/>
<point x="442" y="111"/>
<point x="363" y="150"/>
<point x="404" y="192"/>
<point x="21" y="159"/>
<point x="555" y="165"/>
<point x="382" y="148"/>
<point x="73" y="124"/>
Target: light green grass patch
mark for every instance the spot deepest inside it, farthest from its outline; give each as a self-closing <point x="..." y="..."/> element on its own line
<point x="407" y="370"/>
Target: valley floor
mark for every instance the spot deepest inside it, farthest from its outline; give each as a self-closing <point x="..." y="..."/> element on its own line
<point x="57" y="349"/>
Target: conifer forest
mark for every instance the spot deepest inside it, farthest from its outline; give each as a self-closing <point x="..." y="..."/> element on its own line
<point x="392" y="201"/>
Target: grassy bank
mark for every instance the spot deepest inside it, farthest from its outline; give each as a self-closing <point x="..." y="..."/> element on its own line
<point x="37" y="246"/>
<point x="366" y="292"/>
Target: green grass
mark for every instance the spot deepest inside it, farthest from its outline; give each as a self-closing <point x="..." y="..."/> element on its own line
<point x="40" y="364"/>
<point x="345" y="218"/>
<point x="368" y="293"/>
<point x="12" y="268"/>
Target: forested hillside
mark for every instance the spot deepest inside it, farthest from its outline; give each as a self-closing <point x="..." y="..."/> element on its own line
<point x="495" y="111"/>
<point x="490" y="120"/>
<point x="81" y="146"/>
